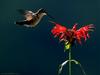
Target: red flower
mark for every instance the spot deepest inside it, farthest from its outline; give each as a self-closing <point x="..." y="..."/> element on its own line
<point x="66" y="34"/>
<point x="59" y="31"/>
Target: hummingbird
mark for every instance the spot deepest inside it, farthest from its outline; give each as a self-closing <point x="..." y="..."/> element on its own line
<point x="32" y="19"/>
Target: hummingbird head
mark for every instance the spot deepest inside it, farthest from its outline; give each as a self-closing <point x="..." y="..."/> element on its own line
<point x="44" y="12"/>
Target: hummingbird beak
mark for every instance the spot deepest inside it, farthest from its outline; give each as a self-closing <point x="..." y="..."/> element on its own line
<point x="49" y="16"/>
<point x="54" y="23"/>
<point x="46" y="13"/>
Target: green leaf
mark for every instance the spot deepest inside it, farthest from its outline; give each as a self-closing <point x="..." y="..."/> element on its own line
<point x="67" y="46"/>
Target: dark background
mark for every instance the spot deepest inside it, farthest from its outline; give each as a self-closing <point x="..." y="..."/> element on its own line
<point x="34" y="51"/>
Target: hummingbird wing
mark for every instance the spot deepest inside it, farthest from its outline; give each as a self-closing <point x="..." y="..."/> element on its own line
<point x="22" y="11"/>
<point x="24" y="22"/>
<point x="26" y="13"/>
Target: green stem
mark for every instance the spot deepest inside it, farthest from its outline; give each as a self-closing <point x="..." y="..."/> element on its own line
<point x="69" y="61"/>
